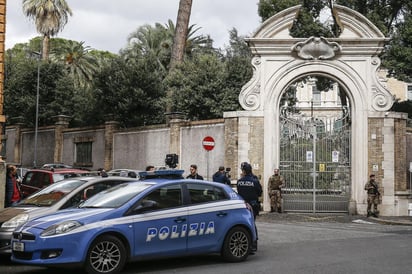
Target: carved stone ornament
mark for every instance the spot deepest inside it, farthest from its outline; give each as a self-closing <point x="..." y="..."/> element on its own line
<point x="249" y="97"/>
<point x="316" y="48"/>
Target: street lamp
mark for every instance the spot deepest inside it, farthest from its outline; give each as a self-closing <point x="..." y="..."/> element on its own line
<point x="36" y="125"/>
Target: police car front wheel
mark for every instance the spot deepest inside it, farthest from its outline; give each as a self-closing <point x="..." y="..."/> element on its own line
<point x="237" y="245"/>
<point x="107" y="254"/>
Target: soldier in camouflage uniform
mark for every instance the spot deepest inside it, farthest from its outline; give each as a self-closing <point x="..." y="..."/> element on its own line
<point x="274" y="190"/>
<point x="373" y="196"/>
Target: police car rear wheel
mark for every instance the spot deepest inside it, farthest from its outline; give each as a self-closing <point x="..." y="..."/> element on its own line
<point x="237" y="245"/>
<point x="107" y="254"/>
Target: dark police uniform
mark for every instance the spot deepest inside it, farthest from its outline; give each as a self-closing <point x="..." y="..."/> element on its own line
<point x="250" y="189"/>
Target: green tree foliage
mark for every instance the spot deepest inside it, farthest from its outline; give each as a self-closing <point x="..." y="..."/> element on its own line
<point x="55" y="89"/>
<point x="238" y="71"/>
<point x="196" y="85"/>
<point x="208" y="84"/>
<point x="268" y="8"/>
<point x="308" y="21"/>
<point x="79" y="63"/>
<point x="149" y="42"/>
<point x="156" y="42"/>
<point x="405" y="106"/>
<point x="383" y="13"/>
<point x="131" y="92"/>
<point x="398" y="57"/>
<point x="392" y="17"/>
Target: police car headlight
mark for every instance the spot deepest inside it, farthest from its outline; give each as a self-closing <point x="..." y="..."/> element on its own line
<point x="61" y="228"/>
<point x="16" y="221"/>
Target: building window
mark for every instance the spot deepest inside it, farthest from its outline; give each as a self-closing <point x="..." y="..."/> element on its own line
<point x="409" y="92"/>
<point x="316" y="96"/>
<point x="83" y="151"/>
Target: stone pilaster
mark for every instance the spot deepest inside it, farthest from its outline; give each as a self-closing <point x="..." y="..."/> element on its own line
<point x="18" y="125"/>
<point x="176" y="121"/>
<point x="62" y="122"/>
<point x="110" y="128"/>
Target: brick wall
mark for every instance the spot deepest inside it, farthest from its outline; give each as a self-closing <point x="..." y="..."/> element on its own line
<point x="401" y="166"/>
<point x="375" y="153"/>
<point x="231" y="144"/>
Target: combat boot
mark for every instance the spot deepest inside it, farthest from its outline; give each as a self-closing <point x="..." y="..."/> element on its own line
<point x="279" y="210"/>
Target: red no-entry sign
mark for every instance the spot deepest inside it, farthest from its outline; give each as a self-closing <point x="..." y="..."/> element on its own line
<point x="208" y="143"/>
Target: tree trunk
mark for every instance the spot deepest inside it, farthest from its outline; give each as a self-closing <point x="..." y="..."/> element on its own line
<point x="182" y="26"/>
<point x="179" y="44"/>
<point x="45" y="48"/>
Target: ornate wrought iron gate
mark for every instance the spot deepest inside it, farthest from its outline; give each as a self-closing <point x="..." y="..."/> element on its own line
<point x="315" y="161"/>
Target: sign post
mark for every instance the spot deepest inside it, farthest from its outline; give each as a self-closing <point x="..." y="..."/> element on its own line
<point x="208" y="144"/>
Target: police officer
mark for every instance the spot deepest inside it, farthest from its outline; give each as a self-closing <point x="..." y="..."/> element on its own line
<point x="373" y="196"/>
<point x="275" y="185"/>
<point x="249" y="188"/>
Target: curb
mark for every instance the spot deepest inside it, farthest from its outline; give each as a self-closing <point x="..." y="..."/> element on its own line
<point x="391" y="222"/>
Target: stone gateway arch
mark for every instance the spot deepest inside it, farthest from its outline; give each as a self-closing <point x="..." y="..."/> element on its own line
<point x="375" y="142"/>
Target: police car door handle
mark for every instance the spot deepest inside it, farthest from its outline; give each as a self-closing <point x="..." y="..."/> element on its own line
<point x="221" y="214"/>
<point x="180" y="220"/>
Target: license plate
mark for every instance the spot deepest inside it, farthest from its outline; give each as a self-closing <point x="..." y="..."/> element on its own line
<point x="18" y="246"/>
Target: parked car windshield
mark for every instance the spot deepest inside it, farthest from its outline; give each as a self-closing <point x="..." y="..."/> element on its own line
<point x="61" y="176"/>
<point x="116" y="196"/>
<point x="52" y="194"/>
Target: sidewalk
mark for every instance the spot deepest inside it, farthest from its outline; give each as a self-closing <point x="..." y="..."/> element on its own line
<point x="329" y="217"/>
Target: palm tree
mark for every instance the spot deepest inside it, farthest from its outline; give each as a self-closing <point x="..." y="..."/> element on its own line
<point x="50" y="17"/>
<point x="157" y="42"/>
<point x="80" y="63"/>
<point x="149" y="41"/>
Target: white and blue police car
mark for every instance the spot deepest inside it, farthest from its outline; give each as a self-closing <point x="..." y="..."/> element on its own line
<point x="156" y="218"/>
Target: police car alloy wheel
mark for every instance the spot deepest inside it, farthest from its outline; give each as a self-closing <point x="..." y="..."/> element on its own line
<point x="107" y="255"/>
<point x="237" y="245"/>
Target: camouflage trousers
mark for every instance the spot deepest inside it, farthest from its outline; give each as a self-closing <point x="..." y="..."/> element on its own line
<point x="275" y="200"/>
<point x="373" y="201"/>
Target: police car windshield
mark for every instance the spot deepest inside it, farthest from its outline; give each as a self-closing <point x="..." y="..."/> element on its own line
<point x="52" y="194"/>
<point x="116" y="196"/>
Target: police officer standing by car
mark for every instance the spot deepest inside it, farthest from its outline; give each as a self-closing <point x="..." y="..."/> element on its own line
<point x="248" y="186"/>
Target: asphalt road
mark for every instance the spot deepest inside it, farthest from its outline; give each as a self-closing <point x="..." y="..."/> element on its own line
<point x="292" y="247"/>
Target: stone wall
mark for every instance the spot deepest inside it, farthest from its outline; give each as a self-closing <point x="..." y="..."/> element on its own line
<point x="137" y="148"/>
<point x="133" y="148"/>
<point x="93" y="134"/>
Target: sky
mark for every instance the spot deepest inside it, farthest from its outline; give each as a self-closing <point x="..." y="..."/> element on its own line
<point x="106" y="24"/>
